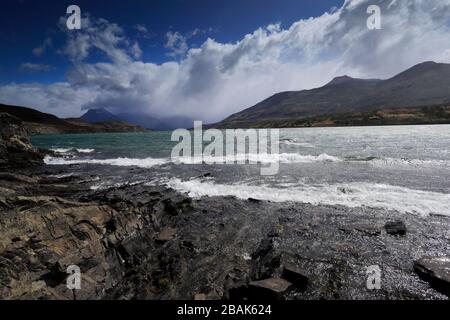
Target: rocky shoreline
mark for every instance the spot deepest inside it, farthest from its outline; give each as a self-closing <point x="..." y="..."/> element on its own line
<point x="151" y="242"/>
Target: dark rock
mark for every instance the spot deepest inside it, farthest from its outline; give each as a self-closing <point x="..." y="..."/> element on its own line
<point x="55" y="276"/>
<point x="205" y="175"/>
<point x="295" y="276"/>
<point x="272" y="288"/>
<point x="16" y="150"/>
<point x="368" y="229"/>
<point x="266" y="260"/>
<point x="166" y="235"/>
<point x="396" y="228"/>
<point x="435" y="270"/>
<point x="171" y="208"/>
<point x="200" y="297"/>
<point x="112" y="234"/>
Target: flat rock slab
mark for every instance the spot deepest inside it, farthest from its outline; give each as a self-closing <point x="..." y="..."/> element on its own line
<point x="435" y="270"/>
<point x="396" y="228"/>
<point x="166" y="234"/>
<point x="371" y="230"/>
<point x="269" y="288"/>
<point x="200" y="297"/>
<point x="295" y="276"/>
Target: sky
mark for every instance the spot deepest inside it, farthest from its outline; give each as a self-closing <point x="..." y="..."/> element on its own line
<point x="204" y="59"/>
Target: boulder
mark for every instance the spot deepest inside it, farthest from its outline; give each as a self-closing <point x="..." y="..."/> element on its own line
<point x="295" y="276"/>
<point x="16" y="150"/>
<point x="166" y="234"/>
<point x="266" y="260"/>
<point x="171" y="208"/>
<point x="435" y="270"/>
<point x="200" y="297"/>
<point x="396" y="228"/>
<point x="272" y="288"/>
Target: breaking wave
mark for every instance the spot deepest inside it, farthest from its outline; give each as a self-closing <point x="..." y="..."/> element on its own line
<point x="384" y="162"/>
<point x="297" y="142"/>
<point x="286" y="158"/>
<point x="123" y="162"/>
<point x="68" y="150"/>
<point x="352" y="195"/>
<point x="260" y="158"/>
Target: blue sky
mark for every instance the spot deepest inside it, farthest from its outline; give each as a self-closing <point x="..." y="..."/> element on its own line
<point x="204" y="59"/>
<point x="25" y="25"/>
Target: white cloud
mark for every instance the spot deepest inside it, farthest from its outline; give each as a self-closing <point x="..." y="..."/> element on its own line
<point x="143" y="32"/>
<point x="62" y="99"/>
<point x="34" y="67"/>
<point x="217" y="79"/>
<point x="40" y="50"/>
<point x="176" y="43"/>
<point x="97" y="34"/>
<point x="141" y="28"/>
<point x="136" y="50"/>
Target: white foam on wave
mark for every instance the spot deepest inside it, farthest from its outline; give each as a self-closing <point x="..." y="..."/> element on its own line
<point x="67" y="150"/>
<point x="61" y="150"/>
<point x="296" y="142"/>
<point x="107" y="185"/>
<point x="352" y="195"/>
<point x="123" y="162"/>
<point x="388" y="162"/>
<point x="263" y="158"/>
<point x="85" y="150"/>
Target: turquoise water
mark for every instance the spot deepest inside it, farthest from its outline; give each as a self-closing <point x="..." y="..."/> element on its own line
<point x="403" y="168"/>
<point x="132" y="145"/>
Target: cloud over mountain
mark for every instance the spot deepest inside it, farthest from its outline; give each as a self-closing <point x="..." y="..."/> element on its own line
<point x="217" y="79"/>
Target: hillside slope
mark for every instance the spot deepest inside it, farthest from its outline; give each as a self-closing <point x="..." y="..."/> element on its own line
<point x="43" y="123"/>
<point x="424" y="85"/>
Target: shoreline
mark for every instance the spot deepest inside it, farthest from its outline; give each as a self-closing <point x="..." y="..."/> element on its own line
<point x="206" y="126"/>
<point x="151" y="242"/>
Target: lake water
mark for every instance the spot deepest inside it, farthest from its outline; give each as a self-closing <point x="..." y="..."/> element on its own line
<point x="398" y="169"/>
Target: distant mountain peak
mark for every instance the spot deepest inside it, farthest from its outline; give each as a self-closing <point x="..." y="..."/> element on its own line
<point x="428" y="63"/>
<point x="348" y="80"/>
<point x="341" y="80"/>
<point x="98" y="115"/>
<point x="422" y="69"/>
<point x="426" y="66"/>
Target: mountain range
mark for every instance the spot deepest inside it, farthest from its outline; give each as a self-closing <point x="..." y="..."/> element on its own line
<point x="43" y="123"/>
<point x="420" y="94"/>
<point x="143" y="120"/>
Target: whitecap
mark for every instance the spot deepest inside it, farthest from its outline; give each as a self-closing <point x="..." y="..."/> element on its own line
<point x="404" y="162"/>
<point x="122" y="162"/>
<point x="263" y="158"/>
<point x="352" y="195"/>
<point x="296" y="142"/>
<point x="85" y="150"/>
<point x="68" y="150"/>
<point x="61" y="150"/>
